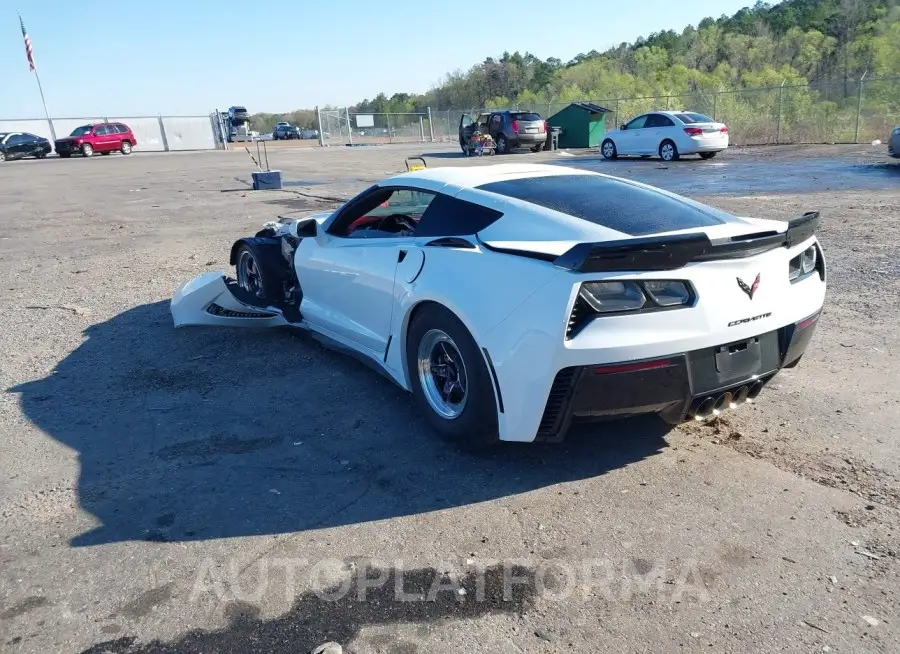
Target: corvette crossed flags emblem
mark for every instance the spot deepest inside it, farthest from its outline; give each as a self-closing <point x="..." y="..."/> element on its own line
<point x="749" y="290"/>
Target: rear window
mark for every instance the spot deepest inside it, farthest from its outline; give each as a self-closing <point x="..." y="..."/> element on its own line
<point x="613" y="204"/>
<point x="688" y="118"/>
<point x="527" y="116"/>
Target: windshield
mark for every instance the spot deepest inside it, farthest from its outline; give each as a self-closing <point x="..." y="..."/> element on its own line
<point x="688" y="118"/>
<point x="84" y="130"/>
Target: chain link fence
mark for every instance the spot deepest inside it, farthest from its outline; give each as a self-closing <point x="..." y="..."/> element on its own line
<point x="858" y="111"/>
<point x="346" y="127"/>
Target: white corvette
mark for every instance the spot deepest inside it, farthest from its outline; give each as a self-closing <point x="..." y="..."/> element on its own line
<point x="513" y="299"/>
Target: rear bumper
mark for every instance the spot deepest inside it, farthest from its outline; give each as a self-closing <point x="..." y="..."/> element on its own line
<point x="698" y="145"/>
<point x="684" y="386"/>
<point x="531" y="139"/>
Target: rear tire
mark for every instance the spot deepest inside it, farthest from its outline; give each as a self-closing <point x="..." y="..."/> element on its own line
<point x="441" y="354"/>
<point x="502" y="145"/>
<point x="708" y="155"/>
<point x="125" y="148"/>
<point x="2" y="156"/>
<point x="668" y="151"/>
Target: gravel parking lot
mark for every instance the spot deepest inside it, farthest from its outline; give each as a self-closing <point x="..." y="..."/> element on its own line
<point x="233" y="491"/>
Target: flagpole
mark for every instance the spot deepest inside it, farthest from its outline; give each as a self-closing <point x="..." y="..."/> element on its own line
<point x="33" y="67"/>
<point x="46" y="111"/>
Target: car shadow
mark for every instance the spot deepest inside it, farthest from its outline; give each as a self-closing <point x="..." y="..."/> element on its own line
<point x="457" y="154"/>
<point x="207" y="433"/>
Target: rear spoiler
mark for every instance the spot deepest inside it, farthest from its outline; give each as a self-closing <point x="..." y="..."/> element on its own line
<point x="673" y="252"/>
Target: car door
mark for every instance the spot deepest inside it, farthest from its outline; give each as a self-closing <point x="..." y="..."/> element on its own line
<point x="102" y="138"/>
<point x="30" y="145"/>
<point x="631" y="138"/>
<point x="15" y="147"/>
<point x="348" y="271"/>
<point x="656" y="130"/>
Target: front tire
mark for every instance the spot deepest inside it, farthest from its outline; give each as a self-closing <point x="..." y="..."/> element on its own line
<point x="2" y="156"/>
<point x="258" y="284"/>
<point x="450" y="380"/>
<point x="608" y="150"/>
<point x="87" y="150"/>
<point x="668" y="151"/>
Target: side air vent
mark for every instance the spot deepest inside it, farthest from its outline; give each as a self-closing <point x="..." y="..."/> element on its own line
<point x="580" y="316"/>
<point x="557" y="403"/>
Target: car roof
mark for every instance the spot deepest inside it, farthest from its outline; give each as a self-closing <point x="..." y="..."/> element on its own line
<point x="539" y="203"/>
<point x="472" y="176"/>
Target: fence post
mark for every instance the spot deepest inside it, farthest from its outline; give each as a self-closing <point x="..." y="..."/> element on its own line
<point x="430" y="125"/>
<point x="319" y="127"/>
<point x="390" y="131"/>
<point x="349" y="127"/>
<point x="162" y="133"/>
<point x="616" y="126"/>
<point x="778" y="117"/>
<point x="859" y="106"/>
<point x="715" y="105"/>
<point x="421" y="129"/>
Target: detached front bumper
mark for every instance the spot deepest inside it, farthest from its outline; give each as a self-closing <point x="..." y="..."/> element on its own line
<point x="696" y="384"/>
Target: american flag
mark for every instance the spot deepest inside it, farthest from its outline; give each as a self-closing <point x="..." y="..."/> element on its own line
<point x="28" y="51"/>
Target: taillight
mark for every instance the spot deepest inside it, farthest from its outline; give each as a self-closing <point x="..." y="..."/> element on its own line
<point x="724" y="129"/>
<point x="516" y="126"/>
<point x="693" y="131"/>
<point x="543" y="126"/>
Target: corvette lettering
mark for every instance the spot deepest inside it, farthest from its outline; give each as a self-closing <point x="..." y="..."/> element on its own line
<point x="751" y="319"/>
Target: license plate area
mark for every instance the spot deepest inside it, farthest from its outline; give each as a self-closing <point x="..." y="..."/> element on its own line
<point x="739" y="358"/>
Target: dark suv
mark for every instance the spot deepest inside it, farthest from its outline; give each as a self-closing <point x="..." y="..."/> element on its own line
<point x="509" y="129"/>
<point x="285" y="132"/>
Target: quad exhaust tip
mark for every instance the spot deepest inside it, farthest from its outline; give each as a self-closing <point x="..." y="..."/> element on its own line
<point x="715" y="405"/>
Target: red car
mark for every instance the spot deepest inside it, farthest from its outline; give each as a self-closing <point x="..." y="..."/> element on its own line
<point x="102" y="137"/>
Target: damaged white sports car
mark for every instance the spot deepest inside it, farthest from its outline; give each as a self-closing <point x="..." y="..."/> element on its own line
<point x="513" y="299"/>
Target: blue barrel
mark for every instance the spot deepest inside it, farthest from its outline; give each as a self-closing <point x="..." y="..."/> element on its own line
<point x="266" y="180"/>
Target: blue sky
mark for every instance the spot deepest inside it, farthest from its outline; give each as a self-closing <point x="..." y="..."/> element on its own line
<point x="189" y="57"/>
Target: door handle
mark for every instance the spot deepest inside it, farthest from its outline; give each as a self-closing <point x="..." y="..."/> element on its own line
<point x="401" y="256"/>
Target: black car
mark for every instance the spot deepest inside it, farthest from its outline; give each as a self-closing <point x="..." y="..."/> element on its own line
<point x="16" y="145"/>
<point x="286" y="132"/>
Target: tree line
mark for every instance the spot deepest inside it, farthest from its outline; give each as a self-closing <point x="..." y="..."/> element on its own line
<point x="825" y="46"/>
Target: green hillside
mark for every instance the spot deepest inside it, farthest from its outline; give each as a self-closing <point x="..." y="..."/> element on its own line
<point x="817" y="49"/>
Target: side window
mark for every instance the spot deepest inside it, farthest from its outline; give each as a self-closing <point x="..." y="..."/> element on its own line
<point x="101" y="130"/>
<point x="658" y="120"/>
<point x="121" y="129"/>
<point x="383" y="213"/>
<point x="15" y="139"/>
<point x="637" y="123"/>
<point x="495" y="121"/>
<point x="447" y="216"/>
